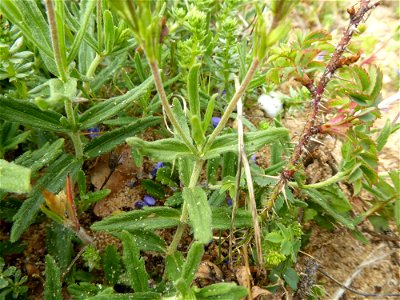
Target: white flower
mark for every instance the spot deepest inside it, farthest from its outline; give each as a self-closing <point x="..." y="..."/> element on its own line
<point x="271" y="104"/>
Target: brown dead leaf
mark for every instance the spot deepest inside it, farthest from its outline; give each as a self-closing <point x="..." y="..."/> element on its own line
<point x="208" y="273"/>
<point x="243" y="276"/>
<point x="260" y="293"/>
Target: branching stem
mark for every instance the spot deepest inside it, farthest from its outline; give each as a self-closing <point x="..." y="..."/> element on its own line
<point x="161" y="92"/>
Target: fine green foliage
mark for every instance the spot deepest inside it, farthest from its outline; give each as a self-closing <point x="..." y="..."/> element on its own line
<point x="176" y="83"/>
<point x="11" y="282"/>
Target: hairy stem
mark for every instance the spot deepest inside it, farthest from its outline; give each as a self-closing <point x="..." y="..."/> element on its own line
<point x="75" y="135"/>
<point x="92" y="69"/>
<point x="198" y="166"/>
<point x="58" y="57"/>
<point x="161" y="92"/>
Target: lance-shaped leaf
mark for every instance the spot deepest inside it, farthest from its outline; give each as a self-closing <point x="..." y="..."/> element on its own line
<point x="173" y="265"/>
<point x="39" y="158"/>
<point x="199" y="213"/>
<point x="181" y="118"/>
<point x="193" y="260"/>
<point x="134" y="264"/>
<point x="52" y="287"/>
<point x="253" y="141"/>
<point x="111" y="139"/>
<point x="53" y="180"/>
<point x="193" y="90"/>
<point x="149" y="218"/>
<point x="29" y="114"/>
<point x="223" y="290"/>
<point x="146" y="240"/>
<point x="111" y="264"/>
<point x="110" y="107"/>
<point x="83" y="26"/>
<point x="166" y="150"/>
<point x="14" y="178"/>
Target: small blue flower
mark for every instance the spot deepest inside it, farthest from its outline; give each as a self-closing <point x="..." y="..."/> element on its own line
<point x="229" y="201"/>
<point x="139" y="204"/>
<point x="215" y="121"/>
<point x="253" y="158"/>
<point x="156" y="167"/>
<point x="149" y="201"/>
<point x="93" y="132"/>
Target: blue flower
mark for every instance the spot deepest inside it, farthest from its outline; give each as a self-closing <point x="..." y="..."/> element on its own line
<point x="253" y="158"/>
<point x="215" y="121"/>
<point x="93" y="132"/>
<point x="139" y="204"/>
<point x="149" y="201"/>
<point x="229" y="201"/>
<point x="156" y="167"/>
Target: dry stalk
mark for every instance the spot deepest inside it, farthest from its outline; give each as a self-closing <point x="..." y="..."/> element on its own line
<point x="242" y="157"/>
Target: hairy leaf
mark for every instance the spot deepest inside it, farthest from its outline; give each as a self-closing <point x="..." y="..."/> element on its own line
<point x="253" y="141"/>
<point x="223" y="290"/>
<point x="108" y="141"/>
<point x="148" y="218"/>
<point x="199" y="213"/>
<point x="166" y="150"/>
<point x="29" y="114"/>
<point x="110" y="107"/>
<point x="52" y="287"/>
<point x="134" y="264"/>
<point x="193" y="260"/>
<point x="14" y="178"/>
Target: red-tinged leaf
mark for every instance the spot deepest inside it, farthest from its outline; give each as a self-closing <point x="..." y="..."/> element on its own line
<point x="71" y="210"/>
<point x="337" y="102"/>
<point x="369" y="174"/>
<point x="376" y="82"/>
<point x="360" y="98"/>
<point x="370" y="159"/>
<point x="363" y="77"/>
<point x="317" y="36"/>
<point x="308" y="56"/>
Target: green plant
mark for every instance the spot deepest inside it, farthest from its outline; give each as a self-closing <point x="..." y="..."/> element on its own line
<point x="11" y="282"/>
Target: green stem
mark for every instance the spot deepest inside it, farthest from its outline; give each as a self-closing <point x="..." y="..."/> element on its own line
<point x="75" y="135"/>
<point x="92" y="69"/>
<point x="60" y="61"/>
<point x="239" y="93"/>
<point x="184" y="215"/>
<point x="338" y="177"/>
<point x="161" y="92"/>
<point x="99" y="18"/>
